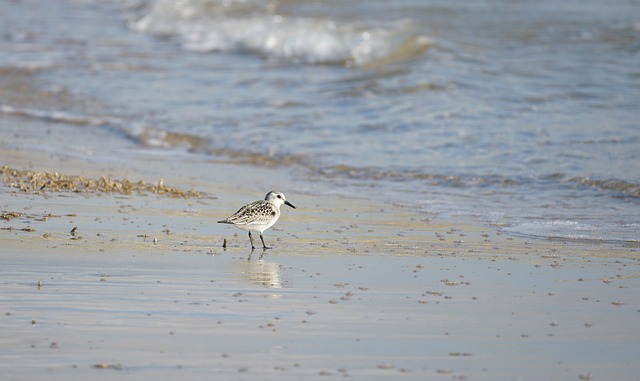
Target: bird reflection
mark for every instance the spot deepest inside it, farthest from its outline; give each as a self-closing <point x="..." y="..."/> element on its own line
<point x="261" y="272"/>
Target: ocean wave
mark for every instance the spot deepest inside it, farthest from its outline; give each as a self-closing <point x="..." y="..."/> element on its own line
<point x="256" y="27"/>
<point x="577" y="231"/>
<point x="371" y="173"/>
<point x="146" y="134"/>
<point x="57" y="116"/>
<point x="614" y="186"/>
<point x="153" y="137"/>
<point x="137" y="132"/>
<point x="620" y="186"/>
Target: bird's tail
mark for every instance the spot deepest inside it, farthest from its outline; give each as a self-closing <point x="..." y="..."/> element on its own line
<point x="224" y="222"/>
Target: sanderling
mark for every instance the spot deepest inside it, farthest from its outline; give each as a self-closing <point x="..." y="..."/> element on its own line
<point x="259" y="215"/>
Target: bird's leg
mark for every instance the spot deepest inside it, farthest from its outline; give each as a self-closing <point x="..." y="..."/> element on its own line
<point x="264" y="247"/>
<point x="251" y="239"/>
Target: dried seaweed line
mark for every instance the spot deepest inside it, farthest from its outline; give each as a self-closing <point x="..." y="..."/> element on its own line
<point x="35" y="181"/>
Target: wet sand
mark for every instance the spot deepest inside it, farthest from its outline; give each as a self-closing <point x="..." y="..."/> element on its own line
<point x="103" y="284"/>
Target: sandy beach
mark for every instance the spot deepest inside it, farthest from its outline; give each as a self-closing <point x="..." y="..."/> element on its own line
<point x="465" y="177"/>
<point x="103" y="285"/>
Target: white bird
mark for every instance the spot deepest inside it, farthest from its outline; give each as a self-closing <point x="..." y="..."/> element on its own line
<point x="259" y="215"/>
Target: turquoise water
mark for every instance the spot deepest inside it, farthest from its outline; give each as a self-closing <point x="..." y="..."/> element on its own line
<point x="521" y="115"/>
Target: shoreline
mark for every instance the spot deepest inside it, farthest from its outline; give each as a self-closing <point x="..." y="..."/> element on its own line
<point x="143" y="288"/>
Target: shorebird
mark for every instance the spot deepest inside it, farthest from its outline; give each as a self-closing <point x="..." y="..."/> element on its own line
<point x="258" y="216"/>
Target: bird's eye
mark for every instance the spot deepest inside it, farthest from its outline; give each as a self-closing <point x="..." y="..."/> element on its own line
<point x="279" y="196"/>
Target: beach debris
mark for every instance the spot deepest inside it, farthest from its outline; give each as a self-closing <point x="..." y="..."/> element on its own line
<point x="39" y="284"/>
<point x="35" y="181"/>
<point x="459" y="354"/>
<point x="4" y="215"/>
<point x="27" y="229"/>
<point x="74" y="236"/>
<point x="108" y="366"/>
<point x="347" y="296"/>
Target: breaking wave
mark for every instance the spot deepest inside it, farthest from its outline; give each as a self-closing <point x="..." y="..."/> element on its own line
<point x="256" y="27"/>
<point x="577" y="231"/>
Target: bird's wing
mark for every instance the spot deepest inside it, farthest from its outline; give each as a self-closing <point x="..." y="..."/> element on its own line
<point x="258" y="211"/>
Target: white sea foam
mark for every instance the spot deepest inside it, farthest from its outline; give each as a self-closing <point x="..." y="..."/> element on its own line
<point x="212" y="26"/>
<point x="580" y="231"/>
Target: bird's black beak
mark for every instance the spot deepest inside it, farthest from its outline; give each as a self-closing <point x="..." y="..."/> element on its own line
<point x="290" y="204"/>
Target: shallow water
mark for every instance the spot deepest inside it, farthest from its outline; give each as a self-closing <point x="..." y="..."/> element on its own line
<point x="523" y="115"/>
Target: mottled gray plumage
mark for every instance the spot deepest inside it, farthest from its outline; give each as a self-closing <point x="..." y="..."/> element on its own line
<point x="258" y="212"/>
<point x="259" y="215"/>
